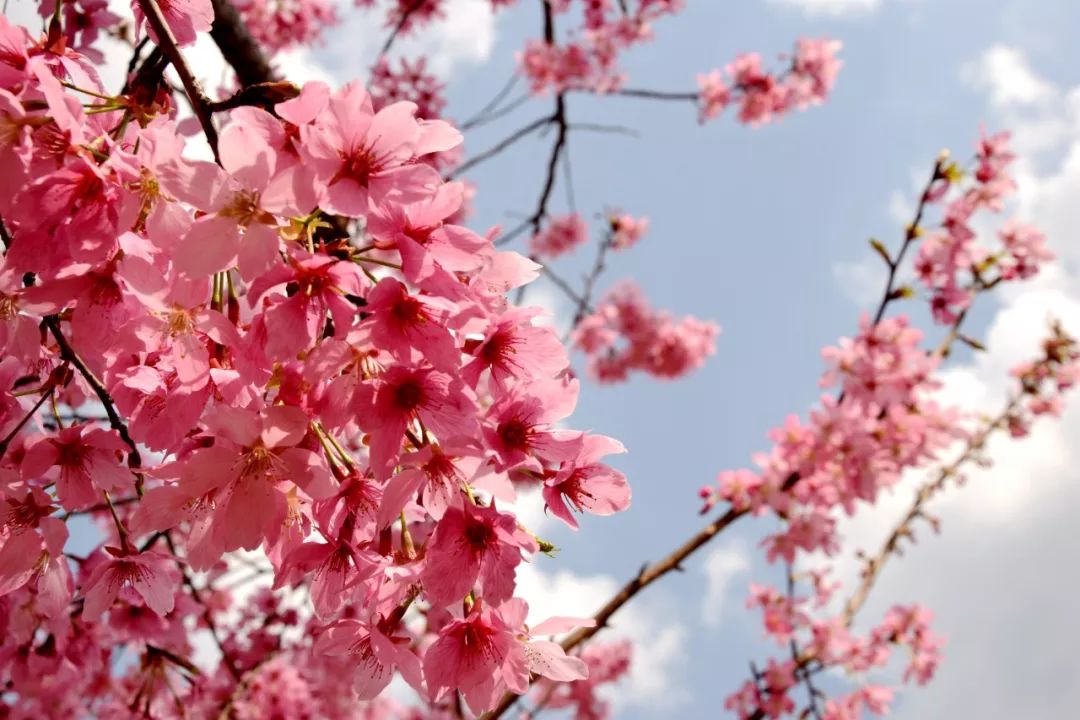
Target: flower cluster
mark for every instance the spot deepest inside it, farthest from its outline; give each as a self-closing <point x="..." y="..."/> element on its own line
<point x="816" y="641"/>
<point x="625" y="334"/>
<point x="560" y="235"/>
<point x="830" y="645"/>
<point x="762" y="96"/>
<point x="590" y="60"/>
<point x="882" y="422"/>
<point x="951" y="264"/>
<point x="1044" y="381"/>
<point x="410" y="83"/>
<point x="282" y="24"/>
<point x="626" y="230"/>
<point x="295" y="350"/>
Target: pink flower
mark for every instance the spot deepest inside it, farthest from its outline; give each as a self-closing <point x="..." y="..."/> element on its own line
<point x="560" y="235"/>
<point x="438" y="473"/>
<point x="336" y="568"/>
<point x="714" y="95"/>
<point x="410" y="326"/>
<point x="513" y="349"/>
<point x="242" y="200"/>
<point x="356" y="152"/>
<point x="492" y="650"/>
<point x="469" y="655"/>
<point x="471" y="546"/>
<point x="582" y="483"/>
<point x="405" y="395"/>
<point x="814" y="68"/>
<point x="519" y="429"/>
<point x="374" y="654"/>
<point x="89" y="460"/>
<point x="148" y="573"/>
<point x="626" y="230"/>
<point x="247" y="476"/>
<point x="423" y="236"/>
<point x="314" y="287"/>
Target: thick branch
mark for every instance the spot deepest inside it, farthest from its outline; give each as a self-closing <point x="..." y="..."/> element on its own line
<point x="237" y="46"/>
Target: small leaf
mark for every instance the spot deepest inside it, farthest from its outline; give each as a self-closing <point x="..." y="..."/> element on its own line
<point x="952" y="172"/>
<point x="972" y="342"/>
<point x="881" y="250"/>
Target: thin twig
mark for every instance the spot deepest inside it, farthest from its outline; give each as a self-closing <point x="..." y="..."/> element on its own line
<point x="400" y="26"/>
<point x="480" y="117"/>
<point x="207" y="617"/>
<point x="68" y="354"/>
<point x="657" y="94"/>
<point x="501" y="145"/>
<point x="167" y="42"/>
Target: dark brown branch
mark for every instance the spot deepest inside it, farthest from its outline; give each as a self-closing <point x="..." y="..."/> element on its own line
<point x="238" y="47"/>
<point x="68" y="354"/>
<point x="657" y="94"/>
<point x="167" y="42"/>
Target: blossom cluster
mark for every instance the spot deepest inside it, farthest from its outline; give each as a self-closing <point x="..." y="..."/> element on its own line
<point x="294" y="350"/>
<point x="816" y="640"/>
<point x="829" y="644"/>
<point x="559" y="235"/>
<point x="283" y="24"/>
<point x="625" y="334"/>
<point x="411" y="82"/>
<point x="951" y="264"/>
<point x="1044" y="381"/>
<point x="882" y="422"/>
<point x="589" y="60"/>
<point x="762" y="96"/>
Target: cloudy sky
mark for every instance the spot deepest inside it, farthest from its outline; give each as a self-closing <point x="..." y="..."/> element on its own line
<point x="765" y="231"/>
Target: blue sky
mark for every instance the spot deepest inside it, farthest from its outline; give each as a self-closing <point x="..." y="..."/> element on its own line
<point x="765" y="231"/>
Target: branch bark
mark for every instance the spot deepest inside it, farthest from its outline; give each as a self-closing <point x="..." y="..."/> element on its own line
<point x="238" y="47"/>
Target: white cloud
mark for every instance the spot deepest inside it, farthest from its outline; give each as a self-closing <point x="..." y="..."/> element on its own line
<point x="861" y="280"/>
<point x="721" y="567"/>
<point x="466" y="35"/>
<point x="1003" y="72"/>
<point x="834" y="8"/>
<point x="654" y="681"/>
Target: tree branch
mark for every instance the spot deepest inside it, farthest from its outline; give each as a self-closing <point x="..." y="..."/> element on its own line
<point x="239" y="49"/>
<point x="167" y="42"/>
